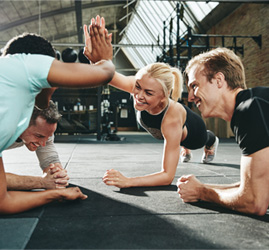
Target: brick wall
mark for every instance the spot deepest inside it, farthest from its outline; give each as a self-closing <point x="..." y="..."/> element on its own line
<point x="249" y="20"/>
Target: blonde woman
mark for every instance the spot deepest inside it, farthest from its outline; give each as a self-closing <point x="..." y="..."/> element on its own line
<point x="161" y="115"/>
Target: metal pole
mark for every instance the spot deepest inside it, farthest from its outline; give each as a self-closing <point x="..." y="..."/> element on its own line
<point x="171" y="50"/>
<point x="178" y="36"/>
<point x="189" y="42"/>
<point x="164" y="53"/>
<point x="99" y="92"/>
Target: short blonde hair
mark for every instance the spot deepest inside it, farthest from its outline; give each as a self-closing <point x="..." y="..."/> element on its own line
<point x="169" y="77"/>
<point x="220" y="60"/>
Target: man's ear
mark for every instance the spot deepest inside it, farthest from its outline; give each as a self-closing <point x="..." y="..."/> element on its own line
<point x="220" y="78"/>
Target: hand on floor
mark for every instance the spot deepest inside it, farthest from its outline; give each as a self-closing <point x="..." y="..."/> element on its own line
<point x="189" y="188"/>
<point x="115" y="178"/>
<point x="72" y="193"/>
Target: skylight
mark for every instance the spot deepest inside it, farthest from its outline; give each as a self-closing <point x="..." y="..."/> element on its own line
<point x="147" y="24"/>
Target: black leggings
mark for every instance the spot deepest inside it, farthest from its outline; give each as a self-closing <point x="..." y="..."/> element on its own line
<point x="197" y="136"/>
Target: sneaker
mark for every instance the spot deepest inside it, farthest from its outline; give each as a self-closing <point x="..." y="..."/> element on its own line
<point x="185" y="155"/>
<point x="185" y="158"/>
<point x="210" y="154"/>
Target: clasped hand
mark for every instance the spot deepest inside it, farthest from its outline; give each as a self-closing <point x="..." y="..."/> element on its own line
<point x="55" y="177"/>
<point x="189" y="188"/>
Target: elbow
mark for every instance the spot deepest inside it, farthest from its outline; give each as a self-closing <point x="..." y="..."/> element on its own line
<point x="257" y="207"/>
<point x="167" y="181"/>
<point x="4" y="208"/>
<point x="260" y="208"/>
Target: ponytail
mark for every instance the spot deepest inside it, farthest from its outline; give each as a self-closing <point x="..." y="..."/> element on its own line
<point x="178" y="84"/>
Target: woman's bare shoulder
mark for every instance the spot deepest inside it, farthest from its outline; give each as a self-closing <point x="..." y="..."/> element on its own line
<point x="176" y="114"/>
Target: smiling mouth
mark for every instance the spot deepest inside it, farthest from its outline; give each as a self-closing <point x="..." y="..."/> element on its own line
<point x="198" y="103"/>
<point x="35" y="144"/>
<point x="140" y="103"/>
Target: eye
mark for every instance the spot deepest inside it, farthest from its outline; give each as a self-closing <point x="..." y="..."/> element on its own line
<point x="148" y="93"/>
<point x="137" y="86"/>
<point x="193" y="86"/>
<point x="39" y="136"/>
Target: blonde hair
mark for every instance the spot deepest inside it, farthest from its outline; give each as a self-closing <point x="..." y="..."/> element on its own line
<point x="220" y="60"/>
<point x="169" y="77"/>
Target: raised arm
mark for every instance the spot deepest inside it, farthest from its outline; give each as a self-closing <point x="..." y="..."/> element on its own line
<point x="122" y="82"/>
<point x="78" y="75"/>
<point x="252" y="196"/>
<point x="99" y="40"/>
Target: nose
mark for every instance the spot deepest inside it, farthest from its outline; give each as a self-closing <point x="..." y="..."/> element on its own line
<point x="42" y="143"/>
<point x="139" y="95"/>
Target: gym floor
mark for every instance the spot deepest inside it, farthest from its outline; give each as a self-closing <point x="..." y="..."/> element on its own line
<point x="132" y="218"/>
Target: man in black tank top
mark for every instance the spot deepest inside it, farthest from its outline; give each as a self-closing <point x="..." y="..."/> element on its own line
<point x="216" y="83"/>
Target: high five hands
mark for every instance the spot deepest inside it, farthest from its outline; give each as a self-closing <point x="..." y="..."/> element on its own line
<point x="97" y="41"/>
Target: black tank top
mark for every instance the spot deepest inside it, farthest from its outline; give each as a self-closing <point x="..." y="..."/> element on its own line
<point x="152" y="123"/>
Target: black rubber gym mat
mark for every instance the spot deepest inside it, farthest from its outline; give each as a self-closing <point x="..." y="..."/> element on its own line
<point x="101" y="222"/>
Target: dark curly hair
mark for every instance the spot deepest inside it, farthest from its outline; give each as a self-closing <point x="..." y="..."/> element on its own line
<point x="29" y="43"/>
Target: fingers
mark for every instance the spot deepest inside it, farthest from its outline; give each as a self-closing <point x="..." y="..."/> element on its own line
<point x="97" y="28"/>
<point x="111" y="177"/>
<point x="108" y="37"/>
<point x="93" y="21"/>
<point x="97" y="34"/>
<point x="110" y="183"/>
<point x="184" y="178"/>
<point x="86" y="33"/>
<point x="97" y="41"/>
<point x="103" y="23"/>
<point x="97" y="20"/>
<point x="61" y="174"/>
<point x="86" y="52"/>
<point x="57" y="175"/>
<point x="61" y="184"/>
<point x="72" y="194"/>
<point x="61" y="179"/>
<point x="81" y="196"/>
<point x="55" y="169"/>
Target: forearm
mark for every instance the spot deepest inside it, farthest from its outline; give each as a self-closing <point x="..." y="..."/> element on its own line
<point x="122" y="82"/>
<point x="156" y="179"/>
<point x="224" y="186"/>
<point x="48" y="154"/>
<point x="231" y="198"/>
<point x="19" y="182"/>
<point x="78" y="75"/>
<point x="18" y="201"/>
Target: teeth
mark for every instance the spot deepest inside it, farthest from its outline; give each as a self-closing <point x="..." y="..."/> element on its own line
<point x="139" y="102"/>
<point x="198" y="104"/>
